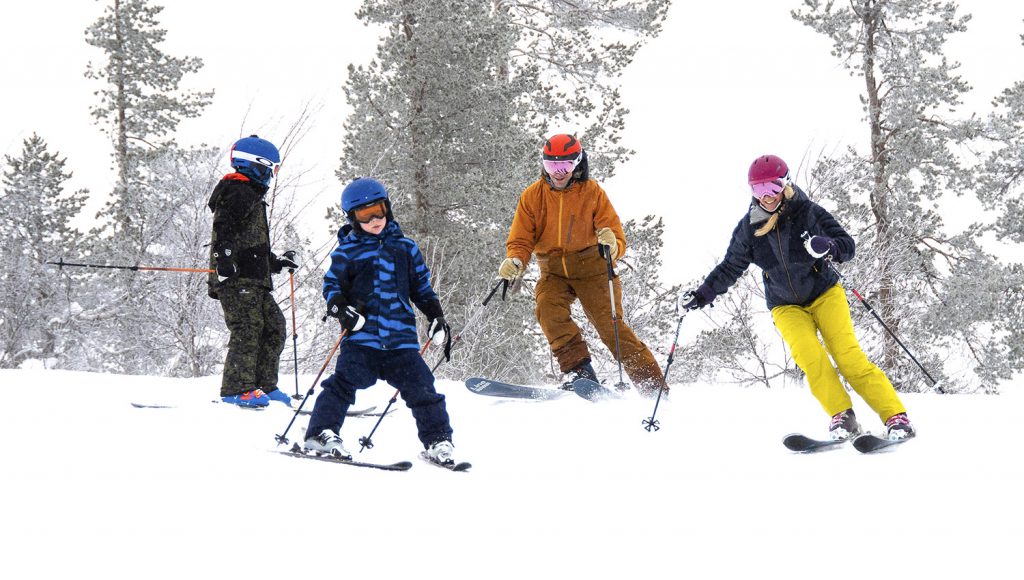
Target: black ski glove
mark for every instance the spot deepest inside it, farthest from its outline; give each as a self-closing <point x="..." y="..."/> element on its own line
<point x="338" y="307"/>
<point x="286" y="260"/>
<point x="224" y="255"/>
<point x="438" y="330"/>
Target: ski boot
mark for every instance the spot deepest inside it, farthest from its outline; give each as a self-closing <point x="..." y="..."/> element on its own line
<point x="441" y="452"/>
<point x="843" y="426"/>
<point x="327" y="443"/>
<point x="280" y="397"/>
<point x="584" y="370"/>
<point x="250" y="399"/>
<point x="898" y="427"/>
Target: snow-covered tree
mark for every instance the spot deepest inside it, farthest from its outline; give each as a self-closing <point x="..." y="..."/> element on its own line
<point x="35" y="227"/>
<point x="450" y="116"/>
<point x="933" y="287"/>
<point x="140" y="103"/>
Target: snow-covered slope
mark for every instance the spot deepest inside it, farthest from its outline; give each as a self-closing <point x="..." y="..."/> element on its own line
<point x="560" y="489"/>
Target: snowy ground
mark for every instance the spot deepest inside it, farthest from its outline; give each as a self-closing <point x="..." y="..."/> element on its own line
<point x="560" y="489"/>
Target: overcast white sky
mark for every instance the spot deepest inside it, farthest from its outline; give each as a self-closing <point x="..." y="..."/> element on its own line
<point x="725" y="82"/>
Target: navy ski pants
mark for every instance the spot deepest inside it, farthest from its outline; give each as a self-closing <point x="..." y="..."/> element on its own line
<point x="360" y="367"/>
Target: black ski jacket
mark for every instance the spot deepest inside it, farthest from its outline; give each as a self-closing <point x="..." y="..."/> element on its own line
<point x="240" y="221"/>
<point x="790" y="274"/>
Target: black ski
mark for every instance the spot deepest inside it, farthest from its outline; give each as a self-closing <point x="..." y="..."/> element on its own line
<point x="299" y="452"/>
<point x="868" y="443"/>
<point x="499" y="389"/>
<point x="804" y="444"/>
<point x="460" y="466"/>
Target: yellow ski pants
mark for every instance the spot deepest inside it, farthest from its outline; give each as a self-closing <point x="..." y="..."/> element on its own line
<point x="830" y="315"/>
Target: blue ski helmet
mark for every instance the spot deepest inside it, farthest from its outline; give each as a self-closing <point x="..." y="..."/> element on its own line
<point x="361" y="192"/>
<point x="255" y="158"/>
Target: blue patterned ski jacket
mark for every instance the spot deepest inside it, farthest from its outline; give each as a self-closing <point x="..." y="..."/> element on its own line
<point x="381" y="276"/>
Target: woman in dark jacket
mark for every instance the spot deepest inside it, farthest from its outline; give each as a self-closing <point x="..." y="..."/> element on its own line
<point x="790" y="238"/>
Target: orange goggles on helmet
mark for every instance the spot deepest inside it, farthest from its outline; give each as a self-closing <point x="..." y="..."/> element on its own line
<point x="367" y="213"/>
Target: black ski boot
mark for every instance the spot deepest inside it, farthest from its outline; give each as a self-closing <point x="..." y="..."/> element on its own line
<point x="581" y="371"/>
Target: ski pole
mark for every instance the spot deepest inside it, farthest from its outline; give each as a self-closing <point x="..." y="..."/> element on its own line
<point x="651" y="423"/>
<point x="281" y="438"/>
<point x="367" y="442"/>
<point x="828" y="260"/>
<point x="62" y="263"/>
<point x="621" y="385"/>
<point x="472" y="320"/>
<point x="295" y="334"/>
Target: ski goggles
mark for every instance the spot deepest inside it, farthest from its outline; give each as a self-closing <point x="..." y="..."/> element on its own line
<point x="561" y="166"/>
<point x="772" y="188"/>
<point x="365" y="214"/>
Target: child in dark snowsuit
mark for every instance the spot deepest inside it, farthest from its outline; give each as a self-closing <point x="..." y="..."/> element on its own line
<point x="243" y="263"/>
<point x="376" y="275"/>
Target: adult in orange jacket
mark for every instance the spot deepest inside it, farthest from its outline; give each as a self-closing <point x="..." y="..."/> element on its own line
<point x="562" y="217"/>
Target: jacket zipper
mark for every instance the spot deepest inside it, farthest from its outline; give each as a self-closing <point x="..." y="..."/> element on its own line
<point x="561" y="198"/>
<point x="785" y="266"/>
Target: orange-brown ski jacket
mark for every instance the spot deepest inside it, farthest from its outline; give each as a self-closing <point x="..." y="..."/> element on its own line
<point x="556" y="223"/>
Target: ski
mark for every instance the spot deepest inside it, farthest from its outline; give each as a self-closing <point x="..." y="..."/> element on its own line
<point x="593" y="391"/>
<point x="804" y="444"/>
<point x="299" y="452"/>
<point x="460" y="466"/>
<point x="499" y="389"/>
<point x="147" y="406"/>
<point x="367" y="412"/>
<point x="868" y="443"/>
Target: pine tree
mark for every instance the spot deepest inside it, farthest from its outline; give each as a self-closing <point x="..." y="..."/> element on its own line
<point x="36" y="307"/>
<point x="930" y="286"/>
<point x="139" y="103"/>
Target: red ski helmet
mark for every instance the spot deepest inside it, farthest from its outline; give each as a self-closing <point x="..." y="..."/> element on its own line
<point x="562" y="147"/>
<point x="767" y="168"/>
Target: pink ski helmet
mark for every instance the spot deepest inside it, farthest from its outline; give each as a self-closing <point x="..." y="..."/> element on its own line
<point x="767" y="168"/>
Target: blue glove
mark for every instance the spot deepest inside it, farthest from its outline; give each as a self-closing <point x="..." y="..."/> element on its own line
<point x="694" y="299"/>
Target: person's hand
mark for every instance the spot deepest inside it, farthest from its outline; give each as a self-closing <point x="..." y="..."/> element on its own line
<point x="338" y="307"/>
<point x="510" y="268"/>
<point x="286" y="260"/>
<point x="821" y="246"/>
<point x="606" y="237"/>
<point x="224" y="255"/>
<point x="696" y="299"/>
<point x="438" y="330"/>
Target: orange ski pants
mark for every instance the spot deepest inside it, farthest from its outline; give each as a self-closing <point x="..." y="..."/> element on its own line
<point x="584" y="276"/>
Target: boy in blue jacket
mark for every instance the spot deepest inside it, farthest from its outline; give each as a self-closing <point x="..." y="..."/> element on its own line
<point x="376" y="275"/>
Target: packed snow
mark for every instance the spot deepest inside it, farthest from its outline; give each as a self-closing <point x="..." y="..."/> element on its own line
<point x="559" y="489"/>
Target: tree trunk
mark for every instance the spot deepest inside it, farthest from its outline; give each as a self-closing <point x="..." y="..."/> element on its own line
<point x="879" y="189"/>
